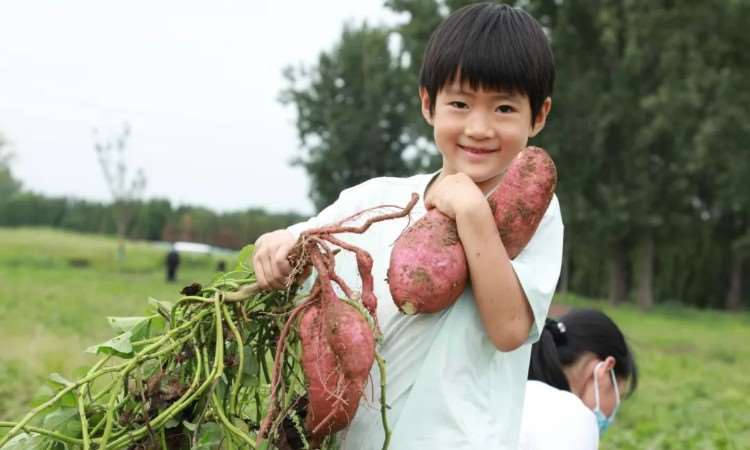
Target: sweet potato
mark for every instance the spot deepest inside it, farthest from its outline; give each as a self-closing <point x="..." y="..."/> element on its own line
<point x="338" y="349"/>
<point x="522" y="197"/>
<point x="428" y="268"/>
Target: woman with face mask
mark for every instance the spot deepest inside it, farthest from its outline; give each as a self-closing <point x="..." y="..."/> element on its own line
<point x="578" y="369"/>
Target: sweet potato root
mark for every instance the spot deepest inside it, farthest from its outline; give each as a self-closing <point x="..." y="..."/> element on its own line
<point x="338" y="349"/>
<point x="428" y="268"/>
<point x="522" y="197"/>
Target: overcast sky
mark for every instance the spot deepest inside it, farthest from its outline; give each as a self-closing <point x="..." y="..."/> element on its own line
<point x="198" y="81"/>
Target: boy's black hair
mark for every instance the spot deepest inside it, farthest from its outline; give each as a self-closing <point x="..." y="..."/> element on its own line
<point x="491" y="46"/>
<point x="580" y="331"/>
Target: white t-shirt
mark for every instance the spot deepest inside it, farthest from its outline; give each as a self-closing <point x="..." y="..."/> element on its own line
<point x="448" y="387"/>
<point x="556" y="419"/>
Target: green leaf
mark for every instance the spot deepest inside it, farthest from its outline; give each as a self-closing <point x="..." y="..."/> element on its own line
<point x="148" y="328"/>
<point x="80" y="372"/>
<point x="43" y="394"/>
<point x="139" y="327"/>
<point x="58" y="382"/>
<point x="210" y="436"/>
<point x="123" y="324"/>
<point x="251" y="368"/>
<point x="119" y="345"/>
<point x="159" y="305"/>
<point x="26" y="441"/>
<point x="59" y="379"/>
<point x="171" y="423"/>
<point x="190" y="426"/>
<point x="59" y="418"/>
<point x="245" y="257"/>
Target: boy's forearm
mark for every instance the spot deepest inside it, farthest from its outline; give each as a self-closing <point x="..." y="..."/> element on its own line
<point x="503" y="307"/>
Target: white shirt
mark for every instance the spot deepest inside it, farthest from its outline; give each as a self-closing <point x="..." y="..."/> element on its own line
<point x="448" y="387"/>
<point x="556" y="419"/>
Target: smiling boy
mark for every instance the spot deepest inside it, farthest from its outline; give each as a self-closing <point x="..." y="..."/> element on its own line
<point x="456" y="378"/>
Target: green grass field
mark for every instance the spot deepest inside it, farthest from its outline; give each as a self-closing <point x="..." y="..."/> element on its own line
<point x="694" y="391"/>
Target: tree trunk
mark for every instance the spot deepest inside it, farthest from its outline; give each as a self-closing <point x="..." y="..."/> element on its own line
<point x="616" y="268"/>
<point x="734" y="294"/>
<point x="562" y="285"/>
<point x="645" y="294"/>
<point x="121" y="230"/>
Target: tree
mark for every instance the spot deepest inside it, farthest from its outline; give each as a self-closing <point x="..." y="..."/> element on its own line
<point x="125" y="189"/>
<point x="353" y="108"/>
<point x="8" y="184"/>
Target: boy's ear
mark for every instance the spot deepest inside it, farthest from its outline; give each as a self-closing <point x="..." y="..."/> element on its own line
<point x="541" y="117"/>
<point x="424" y="98"/>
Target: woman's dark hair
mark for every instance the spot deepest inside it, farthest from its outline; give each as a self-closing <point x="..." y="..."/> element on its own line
<point x="492" y="46"/>
<point x="563" y="341"/>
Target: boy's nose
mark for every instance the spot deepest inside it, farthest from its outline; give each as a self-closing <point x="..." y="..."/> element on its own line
<point x="478" y="127"/>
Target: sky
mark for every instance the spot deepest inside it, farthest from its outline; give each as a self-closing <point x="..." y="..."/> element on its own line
<point x="197" y="81"/>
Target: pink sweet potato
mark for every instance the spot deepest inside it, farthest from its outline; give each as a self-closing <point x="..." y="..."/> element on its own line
<point x="522" y="197"/>
<point x="428" y="269"/>
<point x="338" y="349"/>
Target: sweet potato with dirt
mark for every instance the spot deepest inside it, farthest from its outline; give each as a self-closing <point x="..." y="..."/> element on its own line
<point x="428" y="269"/>
<point x="338" y="350"/>
<point x="522" y="197"/>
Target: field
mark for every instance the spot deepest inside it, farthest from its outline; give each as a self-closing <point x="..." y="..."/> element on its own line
<point x="57" y="288"/>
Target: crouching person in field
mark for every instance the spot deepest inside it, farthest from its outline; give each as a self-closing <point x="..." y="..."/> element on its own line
<point x="579" y="369"/>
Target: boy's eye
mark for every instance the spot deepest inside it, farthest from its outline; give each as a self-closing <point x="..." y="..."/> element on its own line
<point x="459" y="105"/>
<point x="505" y="108"/>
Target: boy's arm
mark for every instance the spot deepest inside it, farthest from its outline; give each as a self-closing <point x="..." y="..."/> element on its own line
<point x="503" y="308"/>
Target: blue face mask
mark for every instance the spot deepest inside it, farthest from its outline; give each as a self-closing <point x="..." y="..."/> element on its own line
<point x="602" y="420"/>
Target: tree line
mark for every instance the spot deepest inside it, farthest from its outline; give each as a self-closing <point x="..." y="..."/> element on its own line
<point x="154" y="220"/>
<point x="648" y="131"/>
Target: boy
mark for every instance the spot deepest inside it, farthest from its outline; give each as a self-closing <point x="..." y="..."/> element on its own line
<point x="456" y="378"/>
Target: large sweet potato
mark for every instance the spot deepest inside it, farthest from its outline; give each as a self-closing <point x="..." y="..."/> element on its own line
<point x="428" y="269"/>
<point x="522" y="197"/>
<point x="338" y="349"/>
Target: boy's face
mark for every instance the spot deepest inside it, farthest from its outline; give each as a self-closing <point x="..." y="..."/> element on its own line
<point x="479" y="132"/>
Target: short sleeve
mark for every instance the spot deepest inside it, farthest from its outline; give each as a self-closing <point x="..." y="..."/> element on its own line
<point x="538" y="266"/>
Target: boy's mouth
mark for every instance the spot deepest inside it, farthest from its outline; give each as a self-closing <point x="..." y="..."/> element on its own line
<point x="476" y="150"/>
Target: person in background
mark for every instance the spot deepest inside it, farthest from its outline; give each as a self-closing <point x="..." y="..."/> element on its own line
<point x="172" y="262"/>
<point x="579" y="368"/>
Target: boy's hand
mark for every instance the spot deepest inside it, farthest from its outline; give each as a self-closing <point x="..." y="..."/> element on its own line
<point x="454" y="195"/>
<point x="270" y="262"/>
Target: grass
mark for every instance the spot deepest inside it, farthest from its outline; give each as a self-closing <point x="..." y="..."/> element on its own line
<point x="52" y="307"/>
<point x="56" y="289"/>
<point x="694" y="390"/>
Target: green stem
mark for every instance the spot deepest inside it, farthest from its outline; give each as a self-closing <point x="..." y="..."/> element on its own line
<point x="243" y="293"/>
<point x="34" y="412"/>
<point x="42" y="431"/>
<point x="84" y="420"/>
<point x="175" y="408"/>
<point x="220" y="412"/>
<point x="240" y="365"/>
<point x="383" y="404"/>
<point x="163" y="439"/>
<point x="140" y="357"/>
